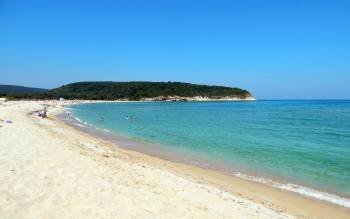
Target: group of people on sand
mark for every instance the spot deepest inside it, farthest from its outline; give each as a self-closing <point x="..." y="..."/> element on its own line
<point x="5" y="121"/>
<point x="42" y="113"/>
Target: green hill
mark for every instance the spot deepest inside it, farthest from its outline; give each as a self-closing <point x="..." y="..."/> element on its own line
<point x="14" y="89"/>
<point x="130" y="90"/>
<point x="138" y="90"/>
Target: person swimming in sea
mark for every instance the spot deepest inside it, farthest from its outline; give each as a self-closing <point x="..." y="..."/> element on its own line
<point x="130" y="117"/>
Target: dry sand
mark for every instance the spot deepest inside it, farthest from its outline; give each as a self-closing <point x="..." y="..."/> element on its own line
<point x="51" y="170"/>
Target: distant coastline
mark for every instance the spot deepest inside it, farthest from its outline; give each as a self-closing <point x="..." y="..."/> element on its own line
<point x="157" y="99"/>
<point x="198" y="98"/>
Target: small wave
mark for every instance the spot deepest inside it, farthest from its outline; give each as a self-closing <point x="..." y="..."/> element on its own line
<point x="302" y="190"/>
<point x="76" y="118"/>
<point x="106" y="130"/>
<point x="80" y="125"/>
<point x="337" y="134"/>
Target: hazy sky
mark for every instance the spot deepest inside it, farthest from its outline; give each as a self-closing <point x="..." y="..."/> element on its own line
<point x="275" y="49"/>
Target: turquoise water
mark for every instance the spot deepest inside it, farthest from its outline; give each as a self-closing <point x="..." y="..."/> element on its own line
<point x="303" y="146"/>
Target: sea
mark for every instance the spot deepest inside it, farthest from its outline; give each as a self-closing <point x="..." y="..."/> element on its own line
<point x="301" y="146"/>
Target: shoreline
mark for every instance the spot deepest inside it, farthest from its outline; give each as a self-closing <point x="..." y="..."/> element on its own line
<point x="215" y="174"/>
<point x="271" y="200"/>
<point x="156" y="150"/>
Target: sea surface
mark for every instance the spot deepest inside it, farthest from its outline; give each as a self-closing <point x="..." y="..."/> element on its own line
<point x="300" y="146"/>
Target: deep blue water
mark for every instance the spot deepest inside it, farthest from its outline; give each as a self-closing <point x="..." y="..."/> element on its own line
<point x="306" y="143"/>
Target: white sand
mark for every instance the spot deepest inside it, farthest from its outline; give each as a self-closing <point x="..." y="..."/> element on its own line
<point x="49" y="170"/>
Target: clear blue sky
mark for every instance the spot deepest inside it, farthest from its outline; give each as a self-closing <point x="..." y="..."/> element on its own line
<point x="275" y="49"/>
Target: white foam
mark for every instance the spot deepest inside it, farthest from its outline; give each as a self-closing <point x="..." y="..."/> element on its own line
<point x="309" y="192"/>
<point x="76" y="118"/>
<point x="80" y="125"/>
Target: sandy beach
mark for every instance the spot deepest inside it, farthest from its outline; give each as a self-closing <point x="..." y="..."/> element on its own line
<point x="51" y="170"/>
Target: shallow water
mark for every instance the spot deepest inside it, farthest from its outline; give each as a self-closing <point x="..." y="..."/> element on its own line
<point x="302" y="146"/>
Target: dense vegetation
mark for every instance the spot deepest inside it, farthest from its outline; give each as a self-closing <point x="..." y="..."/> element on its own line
<point x="135" y="91"/>
<point x="13" y="89"/>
